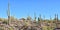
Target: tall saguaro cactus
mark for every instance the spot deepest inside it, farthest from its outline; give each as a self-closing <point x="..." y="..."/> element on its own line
<point x="56" y="20"/>
<point x="40" y="20"/>
<point x="57" y="17"/>
<point x="8" y="12"/>
<point x="35" y="16"/>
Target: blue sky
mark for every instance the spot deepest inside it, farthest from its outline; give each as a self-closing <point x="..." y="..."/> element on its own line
<point x="23" y="8"/>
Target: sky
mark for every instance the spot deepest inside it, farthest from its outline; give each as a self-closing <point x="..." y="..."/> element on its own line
<point x="23" y="8"/>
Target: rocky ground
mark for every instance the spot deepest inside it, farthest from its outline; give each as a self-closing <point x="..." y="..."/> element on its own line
<point x="22" y="24"/>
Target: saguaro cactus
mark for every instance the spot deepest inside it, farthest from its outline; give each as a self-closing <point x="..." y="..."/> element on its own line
<point x="8" y="12"/>
<point x="35" y="16"/>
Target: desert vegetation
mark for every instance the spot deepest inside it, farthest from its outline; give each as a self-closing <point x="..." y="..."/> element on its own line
<point x="28" y="23"/>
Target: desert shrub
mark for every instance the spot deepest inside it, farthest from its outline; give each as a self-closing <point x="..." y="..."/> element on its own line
<point x="5" y="22"/>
